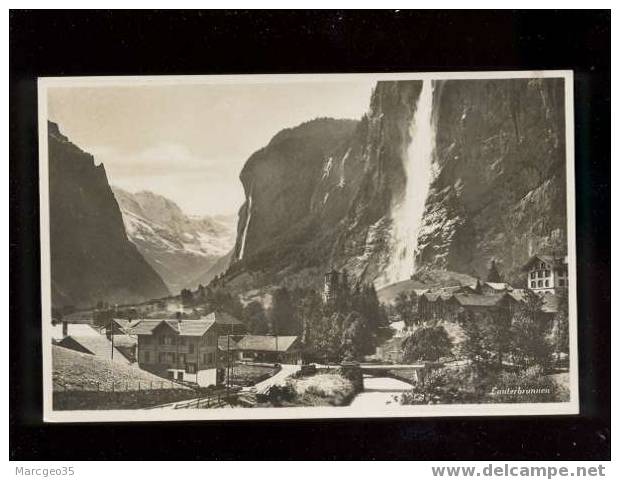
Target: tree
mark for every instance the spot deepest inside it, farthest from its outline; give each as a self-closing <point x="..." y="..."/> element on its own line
<point x="326" y="339"/>
<point x="487" y="337"/>
<point x="561" y="333"/>
<point x="493" y="276"/>
<point x="427" y="343"/>
<point x="530" y="328"/>
<point x="473" y="347"/>
<point x="186" y="297"/>
<point x="282" y="316"/>
<point x="357" y="338"/>
<point x="406" y="307"/>
<point x="224" y="301"/>
<point x="309" y="311"/>
<point x="255" y="318"/>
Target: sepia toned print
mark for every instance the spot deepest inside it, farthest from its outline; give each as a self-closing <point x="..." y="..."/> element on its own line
<point x="308" y="246"/>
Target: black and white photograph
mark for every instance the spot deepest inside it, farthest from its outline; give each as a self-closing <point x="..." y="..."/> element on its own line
<point x="308" y="246"/>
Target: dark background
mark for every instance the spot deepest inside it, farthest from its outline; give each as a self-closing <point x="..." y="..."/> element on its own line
<point x="151" y="43"/>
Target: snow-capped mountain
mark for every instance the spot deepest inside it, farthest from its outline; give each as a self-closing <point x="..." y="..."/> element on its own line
<point x="179" y="247"/>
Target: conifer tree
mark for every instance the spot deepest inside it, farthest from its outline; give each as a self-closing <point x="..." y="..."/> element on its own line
<point x="493" y="276"/>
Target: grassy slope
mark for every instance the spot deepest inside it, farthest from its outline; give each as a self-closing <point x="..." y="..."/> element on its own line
<point x="79" y="371"/>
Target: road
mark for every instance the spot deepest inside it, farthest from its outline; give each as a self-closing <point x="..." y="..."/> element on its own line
<point x="278" y="379"/>
<point x="379" y="391"/>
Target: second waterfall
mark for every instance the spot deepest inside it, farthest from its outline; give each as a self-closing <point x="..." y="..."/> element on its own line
<point x="418" y="166"/>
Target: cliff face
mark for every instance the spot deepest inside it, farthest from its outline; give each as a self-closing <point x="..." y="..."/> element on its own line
<point x="91" y="257"/>
<point x="319" y="195"/>
<point x="293" y="200"/>
<point x="179" y="247"/>
<point x="500" y="192"/>
<point x="323" y="194"/>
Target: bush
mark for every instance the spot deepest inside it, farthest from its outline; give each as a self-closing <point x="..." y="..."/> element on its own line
<point x="466" y="385"/>
<point x="427" y="343"/>
<point x="527" y="386"/>
<point x="443" y="386"/>
<point x="278" y="395"/>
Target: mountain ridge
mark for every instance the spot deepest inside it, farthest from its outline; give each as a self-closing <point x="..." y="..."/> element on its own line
<point x="180" y="247"/>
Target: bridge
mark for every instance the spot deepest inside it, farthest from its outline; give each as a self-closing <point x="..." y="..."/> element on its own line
<point x="403" y="366"/>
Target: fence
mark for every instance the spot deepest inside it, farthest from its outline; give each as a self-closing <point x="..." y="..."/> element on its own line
<point x="119" y="395"/>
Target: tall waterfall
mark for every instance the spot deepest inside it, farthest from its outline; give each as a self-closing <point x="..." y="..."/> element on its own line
<point x="244" y="234"/>
<point x="407" y="216"/>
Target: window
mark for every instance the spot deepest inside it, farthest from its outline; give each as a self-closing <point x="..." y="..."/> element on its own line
<point x="546" y="283"/>
<point x="168" y="340"/>
<point x="180" y="376"/>
<point x="540" y="284"/>
<point x="533" y="284"/>
<point x="533" y="275"/>
<point x="191" y="368"/>
<point x="547" y="273"/>
<point x="561" y="282"/>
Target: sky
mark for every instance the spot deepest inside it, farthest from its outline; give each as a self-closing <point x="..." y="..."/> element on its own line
<point x="190" y="142"/>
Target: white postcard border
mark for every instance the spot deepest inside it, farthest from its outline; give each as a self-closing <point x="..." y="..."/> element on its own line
<point x="301" y="413"/>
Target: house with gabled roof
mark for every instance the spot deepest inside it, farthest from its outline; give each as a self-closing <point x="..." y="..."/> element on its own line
<point x="546" y="273"/>
<point x="179" y="349"/>
<point x="269" y="348"/>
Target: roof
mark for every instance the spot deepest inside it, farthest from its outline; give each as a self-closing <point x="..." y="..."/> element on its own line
<point x="222" y="343"/>
<point x="98" y="345"/>
<point x="222" y="318"/>
<point x="518" y="294"/>
<point x="498" y="285"/>
<point x="125" y="323"/>
<point x="77" y="329"/>
<point x="561" y="260"/>
<point x="431" y="297"/>
<point x="476" y="300"/>
<point x="190" y="328"/>
<point x="266" y="343"/>
<point x="124" y="341"/>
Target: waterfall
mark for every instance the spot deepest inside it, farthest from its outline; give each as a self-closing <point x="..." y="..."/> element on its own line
<point x="407" y="215"/>
<point x="246" y="226"/>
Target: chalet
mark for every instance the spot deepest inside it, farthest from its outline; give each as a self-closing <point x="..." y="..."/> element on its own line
<point x="269" y="348"/>
<point x="446" y="307"/>
<point x="547" y="273"/>
<point x="496" y="304"/>
<point x="179" y="349"/>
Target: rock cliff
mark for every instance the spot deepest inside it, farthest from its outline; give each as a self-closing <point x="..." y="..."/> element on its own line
<point x="91" y="256"/>
<point x="323" y="194"/>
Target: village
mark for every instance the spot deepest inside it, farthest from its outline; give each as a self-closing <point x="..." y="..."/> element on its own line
<point x="173" y="353"/>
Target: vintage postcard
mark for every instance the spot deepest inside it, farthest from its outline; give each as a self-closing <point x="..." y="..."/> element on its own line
<point x="308" y="246"/>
